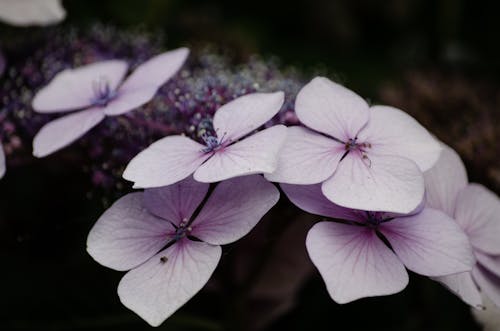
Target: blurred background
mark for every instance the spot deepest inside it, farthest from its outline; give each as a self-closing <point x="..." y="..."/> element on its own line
<point x="439" y="60"/>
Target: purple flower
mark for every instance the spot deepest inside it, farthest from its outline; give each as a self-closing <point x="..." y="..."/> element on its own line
<point x="174" y="158"/>
<point x="170" y="251"/>
<point x="368" y="158"/>
<point x="98" y="89"/>
<point x="477" y="211"/>
<point x="354" y="260"/>
<point x="31" y="12"/>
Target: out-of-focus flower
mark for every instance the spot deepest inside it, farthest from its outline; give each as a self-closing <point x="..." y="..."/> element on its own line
<point x="355" y="262"/>
<point x="170" y="251"/>
<point x="371" y="158"/>
<point x="174" y="158"/>
<point x="31" y="12"/>
<point x="476" y="210"/>
<point x="98" y="89"/>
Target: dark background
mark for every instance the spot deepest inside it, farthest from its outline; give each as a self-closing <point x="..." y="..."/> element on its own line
<point x="48" y="282"/>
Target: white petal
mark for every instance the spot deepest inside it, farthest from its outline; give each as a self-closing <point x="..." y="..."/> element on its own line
<point x="444" y="181"/>
<point x="354" y="262"/>
<point x="165" y="162"/>
<point x="306" y="158"/>
<point x="127" y="234"/>
<point x="63" y="131"/>
<point x="463" y="286"/>
<point x="376" y="183"/>
<point x="31" y="12"/>
<point x="332" y="109"/>
<point x="2" y="162"/>
<point x="391" y="131"/>
<point x="246" y="114"/>
<point x="157" y="288"/>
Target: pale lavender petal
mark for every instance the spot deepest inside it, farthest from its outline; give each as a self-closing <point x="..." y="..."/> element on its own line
<point x="253" y="155"/>
<point x="311" y="199"/>
<point x="234" y="208"/>
<point x="444" y="181"/>
<point x="176" y="202"/>
<point x="144" y="82"/>
<point x="31" y="12"/>
<point x="76" y="88"/>
<point x="477" y="212"/>
<point x="376" y="183"/>
<point x="306" y="157"/>
<point x="165" y="162"/>
<point x="332" y="109"/>
<point x="492" y="263"/>
<point x="429" y="243"/>
<point x="159" y="287"/>
<point x="63" y="131"/>
<point x="127" y="235"/>
<point x="2" y="161"/>
<point x="391" y="131"/>
<point x="463" y="286"/>
<point x="245" y="114"/>
<point x="354" y="262"/>
<point x="488" y="283"/>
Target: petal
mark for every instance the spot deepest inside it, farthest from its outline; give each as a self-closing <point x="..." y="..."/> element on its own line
<point x="429" y="243"/>
<point x="488" y="283"/>
<point x="492" y="263"/>
<point x="332" y="109"/>
<point x="144" y="82"/>
<point x="391" y="131"/>
<point x="31" y="12"/>
<point x="176" y="202"/>
<point x="2" y="162"/>
<point x="477" y="213"/>
<point x="165" y="162"/>
<point x="157" y="288"/>
<point x="354" y="262"/>
<point x="306" y="157"/>
<point x="127" y="235"/>
<point x="444" y="181"/>
<point x="489" y="317"/>
<point x="245" y="114"/>
<point x="464" y="287"/>
<point x="378" y="183"/>
<point x="234" y="208"/>
<point x="63" y="131"/>
<point x="253" y="155"/>
<point x="311" y="199"/>
<point x="75" y="88"/>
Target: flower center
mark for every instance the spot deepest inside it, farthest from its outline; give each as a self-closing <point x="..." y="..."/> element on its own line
<point x="374" y="219"/>
<point x="212" y="142"/>
<point x="183" y="230"/>
<point x="102" y="92"/>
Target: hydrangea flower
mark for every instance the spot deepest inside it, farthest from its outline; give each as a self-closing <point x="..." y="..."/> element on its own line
<point x="352" y="255"/>
<point x="476" y="210"/>
<point x="169" y="248"/>
<point x="97" y="88"/>
<point x="31" y="12"/>
<point x="174" y="158"/>
<point x="368" y="158"/>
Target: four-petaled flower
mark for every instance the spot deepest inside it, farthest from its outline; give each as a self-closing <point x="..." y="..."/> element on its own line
<point x="170" y="251"/>
<point x="477" y="212"/>
<point x="98" y="89"/>
<point x="368" y="158"/>
<point x="174" y="158"/>
<point x="355" y="262"/>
